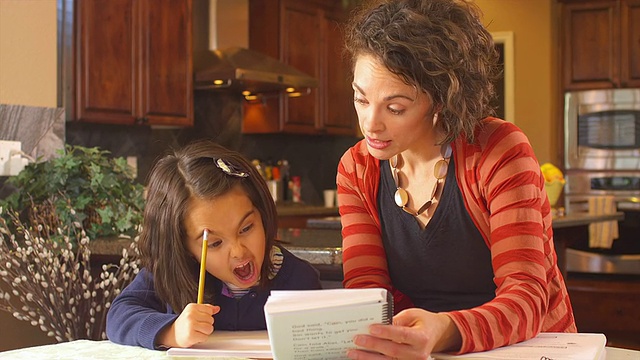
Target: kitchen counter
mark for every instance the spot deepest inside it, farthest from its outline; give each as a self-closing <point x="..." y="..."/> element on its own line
<point x="295" y="215"/>
<point x="294" y="209"/>
<point x="567" y="221"/>
<point x="566" y="229"/>
<point x="325" y="243"/>
<point x="318" y="246"/>
<point x="579" y="219"/>
<point x="570" y="228"/>
<point x="321" y="247"/>
<point x="321" y="242"/>
<point x="315" y="245"/>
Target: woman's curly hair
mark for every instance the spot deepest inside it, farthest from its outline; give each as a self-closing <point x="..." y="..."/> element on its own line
<point x="438" y="46"/>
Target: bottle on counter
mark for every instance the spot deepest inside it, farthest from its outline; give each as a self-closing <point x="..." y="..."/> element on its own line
<point x="258" y="165"/>
<point x="284" y="177"/>
<point x="296" y="189"/>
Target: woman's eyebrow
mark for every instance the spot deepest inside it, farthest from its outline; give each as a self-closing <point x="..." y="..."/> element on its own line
<point x="386" y="98"/>
<point x="358" y="88"/>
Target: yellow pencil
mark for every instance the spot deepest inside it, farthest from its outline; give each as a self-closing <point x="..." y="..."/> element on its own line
<point x="203" y="266"/>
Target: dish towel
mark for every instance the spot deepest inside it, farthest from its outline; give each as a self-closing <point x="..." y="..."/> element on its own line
<point x="602" y="234"/>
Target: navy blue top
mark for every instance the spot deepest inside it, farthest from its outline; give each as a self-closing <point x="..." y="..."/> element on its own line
<point x="444" y="267"/>
<point x="137" y="315"/>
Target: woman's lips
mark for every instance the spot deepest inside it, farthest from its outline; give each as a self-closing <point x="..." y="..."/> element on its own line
<point x="377" y="144"/>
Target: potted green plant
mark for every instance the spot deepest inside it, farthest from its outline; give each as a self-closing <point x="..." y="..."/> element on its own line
<point x="82" y="184"/>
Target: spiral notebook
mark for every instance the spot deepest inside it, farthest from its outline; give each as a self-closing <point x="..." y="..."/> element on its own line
<point x="321" y="324"/>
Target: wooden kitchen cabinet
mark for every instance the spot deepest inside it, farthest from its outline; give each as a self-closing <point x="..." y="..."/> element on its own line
<point x="600" y="44"/>
<point x="340" y="113"/>
<point x="630" y="51"/>
<point x="301" y="47"/>
<point x="606" y="303"/>
<point x="306" y="35"/>
<point x="133" y="63"/>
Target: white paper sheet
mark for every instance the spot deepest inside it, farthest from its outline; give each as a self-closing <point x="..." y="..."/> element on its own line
<point x="545" y="346"/>
<point x="242" y="344"/>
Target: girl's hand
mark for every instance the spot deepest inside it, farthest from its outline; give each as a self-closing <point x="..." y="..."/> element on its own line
<point x="415" y="334"/>
<point x="194" y="325"/>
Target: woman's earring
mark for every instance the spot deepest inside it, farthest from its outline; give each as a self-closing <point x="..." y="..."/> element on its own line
<point x="435" y="119"/>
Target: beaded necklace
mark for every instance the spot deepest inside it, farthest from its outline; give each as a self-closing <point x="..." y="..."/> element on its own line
<point x="401" y="195"/>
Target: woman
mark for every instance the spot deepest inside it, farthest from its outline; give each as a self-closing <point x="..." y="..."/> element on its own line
<point x="440" y="202"/>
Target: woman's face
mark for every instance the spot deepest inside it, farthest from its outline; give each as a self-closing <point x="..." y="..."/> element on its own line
<point x="393" y="116"/>
<point x="236" y="242"/>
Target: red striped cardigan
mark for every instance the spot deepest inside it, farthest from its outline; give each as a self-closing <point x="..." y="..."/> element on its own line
<point x="503" y="190"/>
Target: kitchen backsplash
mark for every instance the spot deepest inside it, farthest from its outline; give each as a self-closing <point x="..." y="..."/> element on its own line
<point x="218" y="117"/>
<point x="41" y="130"/>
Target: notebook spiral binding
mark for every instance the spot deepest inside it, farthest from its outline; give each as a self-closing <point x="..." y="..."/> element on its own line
<point x="387" y="316"/>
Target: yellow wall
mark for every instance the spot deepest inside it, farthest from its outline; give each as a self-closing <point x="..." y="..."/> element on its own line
<point x="28" y="73"/>
<point x="532" y="23"/>
<point x="28" y="41"/>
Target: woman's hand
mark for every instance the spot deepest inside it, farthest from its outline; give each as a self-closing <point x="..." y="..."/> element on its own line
<point x="194" y="325"/>
<point x="415" y="334"/>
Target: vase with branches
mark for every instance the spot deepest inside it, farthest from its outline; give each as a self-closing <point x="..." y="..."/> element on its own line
<point x="49" y="279"/>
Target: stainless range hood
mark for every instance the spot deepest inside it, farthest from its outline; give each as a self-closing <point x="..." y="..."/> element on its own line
<point x="224" y="62"/>
<point x="242" y="69"/>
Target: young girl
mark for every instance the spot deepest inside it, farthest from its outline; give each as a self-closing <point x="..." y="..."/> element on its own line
<point x="204" y="186"/>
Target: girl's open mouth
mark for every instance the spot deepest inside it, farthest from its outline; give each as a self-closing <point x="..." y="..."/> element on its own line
<point x="245" y="272"/>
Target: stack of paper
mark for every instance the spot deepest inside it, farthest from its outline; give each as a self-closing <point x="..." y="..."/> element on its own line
<point x="242" y="344"/>
<point x="551" y="346"/>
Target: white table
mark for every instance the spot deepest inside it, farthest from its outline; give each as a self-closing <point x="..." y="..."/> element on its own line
<point x="87" y="349"/>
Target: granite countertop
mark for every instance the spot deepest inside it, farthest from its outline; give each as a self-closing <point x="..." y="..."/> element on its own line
<point x="569" y="220"/>
<point x="329" y="222"/>
<point x="321" y="243"/>
<point x="578" y="219"/>
<point x="293" y="209"/>
<point x="318" y="246"/>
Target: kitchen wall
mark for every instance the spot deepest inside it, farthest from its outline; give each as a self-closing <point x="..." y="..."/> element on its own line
<point x="28" y="76"/>
<point x="533" y="24"/>
<point x="218" y="117"/>
<point x="28" y="52"/>
<point x="28" y="71"/>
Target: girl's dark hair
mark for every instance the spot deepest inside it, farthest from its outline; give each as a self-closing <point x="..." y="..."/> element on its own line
<point x="187" y="173"/>
<point x="438" y="46"/>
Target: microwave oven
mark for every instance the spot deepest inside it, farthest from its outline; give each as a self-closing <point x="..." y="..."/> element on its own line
<point x="602" y="130"/>
<point x="602" y="158"/>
